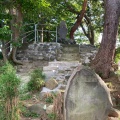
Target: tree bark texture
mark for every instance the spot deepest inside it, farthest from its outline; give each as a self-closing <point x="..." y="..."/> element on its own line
<point x="16" y="24"/>
<point x="4" y="54"/>
<point x="79" y="19"/>
<point x="5" y="50"/>
<point x="105" y="56"/>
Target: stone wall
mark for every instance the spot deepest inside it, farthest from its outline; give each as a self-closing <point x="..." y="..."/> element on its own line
<point x="40" y="51"/>
<point x="54" y="51"/>
<point x="87" y="53"/>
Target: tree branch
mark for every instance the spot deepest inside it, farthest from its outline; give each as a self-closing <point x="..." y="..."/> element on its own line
<point x="83" y="29"/>
<point x="71" y="9"/>
<point x="78" y="22"/>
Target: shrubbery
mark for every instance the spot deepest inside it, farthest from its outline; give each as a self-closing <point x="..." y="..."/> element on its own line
<point x="9" y="84"/>
<point x="36" y="80"/>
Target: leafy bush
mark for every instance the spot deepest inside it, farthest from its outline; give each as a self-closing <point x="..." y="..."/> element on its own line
<point x="36" y="81"/>
<point x="9" y="84"/>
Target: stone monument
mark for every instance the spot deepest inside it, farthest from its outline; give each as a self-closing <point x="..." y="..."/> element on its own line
<point x="62" y="31"/>
<point x="86" y="97"/>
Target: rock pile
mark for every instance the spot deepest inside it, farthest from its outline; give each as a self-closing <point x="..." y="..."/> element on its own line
<point x="57" y="74"/>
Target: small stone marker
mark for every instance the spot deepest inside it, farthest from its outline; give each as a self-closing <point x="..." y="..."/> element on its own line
<point x="86" y="97"/>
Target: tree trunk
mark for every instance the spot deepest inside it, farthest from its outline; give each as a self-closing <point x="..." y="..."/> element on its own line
<point x="16" y="24"/>
<point x="79" y="19"/>
<point x="4" y="53"/>
<point x="7" y="47"/>
<point x="105" y="56"/>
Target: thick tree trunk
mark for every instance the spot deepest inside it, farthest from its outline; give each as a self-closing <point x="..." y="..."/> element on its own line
<point x="104" y="58"/>
<point x="79" y="19"/>
<point x="16" y="24"/>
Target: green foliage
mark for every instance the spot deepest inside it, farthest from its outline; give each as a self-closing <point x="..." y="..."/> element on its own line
<point x="24" y="93"/>
<point x="49" y="99"/>
<point x="25" y="97"/>
<point x="117" y="55"/>
<point x="52" y="116"/>
<point x="5" y="33"/>
<point x="35" y="8"/>
<point x="9" y="84"/>
<point x="26" y="113"/>
<point x="36" y="81"/>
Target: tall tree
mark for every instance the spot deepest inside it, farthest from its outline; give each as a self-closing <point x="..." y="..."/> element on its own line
<point x="89" y="18"/>
<point x="104" y="58"/>
<point x="19" y="11"/>
<point x="16" y="24"/>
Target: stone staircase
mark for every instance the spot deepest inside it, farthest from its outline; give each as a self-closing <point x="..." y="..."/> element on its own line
<point x="70" y="53"/>
<point x="60" y="70"/>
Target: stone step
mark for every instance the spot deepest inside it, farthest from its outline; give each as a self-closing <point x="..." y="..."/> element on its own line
<point x="49" y="74"/>
<point x="50" y="68"/>
<point x="70" y="57"/>
<point x="70" y="46"/>
<point x="65" y="63"/>
<point x="71" y="50"/>
<point x="67" y="59"/>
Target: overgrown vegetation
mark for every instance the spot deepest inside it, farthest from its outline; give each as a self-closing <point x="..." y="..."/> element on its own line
<point x="52" y="116"/>
<point x="58" y="107"/>
<point x="57" y="111"/>
<point x="36" y="80"/>
<point x="50" y="97"/>
<point x="9" y="84"/>
<point x="24" y="93"/>
<point x="26" y="113"/>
